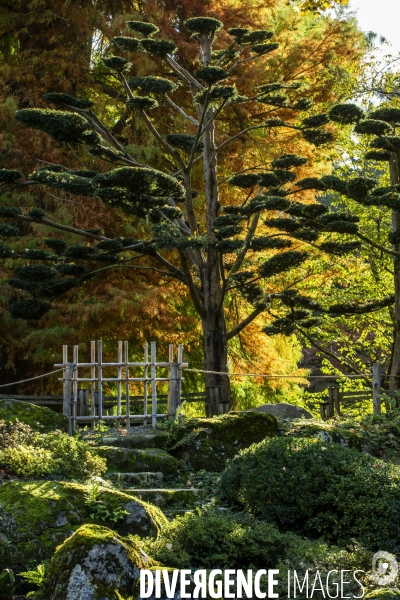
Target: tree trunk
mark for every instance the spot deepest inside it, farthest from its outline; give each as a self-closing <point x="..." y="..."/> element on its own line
<point x="213" y="317"/>
<point x="395" y="359"/>
<point x="216" y="359"/>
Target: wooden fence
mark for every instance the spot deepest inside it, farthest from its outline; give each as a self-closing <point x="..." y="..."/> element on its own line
<point x="338" y="399"/>
<point x="90" y="405"/>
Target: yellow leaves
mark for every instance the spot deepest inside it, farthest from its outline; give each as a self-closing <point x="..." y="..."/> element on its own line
<point x="317" y="6"/>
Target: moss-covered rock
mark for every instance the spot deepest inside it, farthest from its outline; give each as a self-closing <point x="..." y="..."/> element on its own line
<point x="36" y="516"/>
<point x="38" y="417"/>
<point x="155" y="439"/>
<point x="208" y="443"/>
<point x="284" y="410"/>
<point x="135" y="460"/>
<point x="171" y="498"/>
<point x="94" y="562"/>
<point x="364" y="437"/>
<point x="139" y="480"/>
<point x="383" y="594"/>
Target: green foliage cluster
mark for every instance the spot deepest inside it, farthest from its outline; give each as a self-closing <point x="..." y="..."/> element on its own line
<point x="61" y="125"/>
<point x="26" y="453"/>
<point x="211" y="538"/>
<point x="98" y="509"/>
<point x="317" y="489"/>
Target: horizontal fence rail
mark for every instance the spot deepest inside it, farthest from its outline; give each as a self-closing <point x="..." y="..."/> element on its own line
<point x="95" y="403"/>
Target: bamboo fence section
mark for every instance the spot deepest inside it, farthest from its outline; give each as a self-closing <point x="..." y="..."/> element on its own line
<point x="76" y="401"/>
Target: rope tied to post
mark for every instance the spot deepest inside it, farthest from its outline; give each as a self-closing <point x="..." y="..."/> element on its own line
<point x="31" y="378"/>
<point x="266" y="375"/>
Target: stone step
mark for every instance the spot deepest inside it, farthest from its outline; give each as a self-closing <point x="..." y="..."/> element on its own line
<point x="169" y="498"/>
<point x="153" y="439"/>
<point x="137" y="479"/>
<point x="133" y="460"/>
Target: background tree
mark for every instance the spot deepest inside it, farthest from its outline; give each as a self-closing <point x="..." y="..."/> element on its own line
<point x="204" y="240"/>
<point x="379" y="127"/>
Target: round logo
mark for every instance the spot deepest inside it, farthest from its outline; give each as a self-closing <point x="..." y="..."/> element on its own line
<point x="384" y="568"/>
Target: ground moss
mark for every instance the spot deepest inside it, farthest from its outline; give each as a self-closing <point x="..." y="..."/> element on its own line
<point x="39" y="418"/>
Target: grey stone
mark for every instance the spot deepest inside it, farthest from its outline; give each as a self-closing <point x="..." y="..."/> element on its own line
<point x="94" y="564"/>
<point x="284" y="410"/>
<point x="61" y="520"/>
<point x="137" y="479"/>
<point x="79" y="586"/>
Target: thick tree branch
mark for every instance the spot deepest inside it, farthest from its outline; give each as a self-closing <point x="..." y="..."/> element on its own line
<point x="181" y="111"/>
<point x="378" y="246"/>
<point x="257" y="311"/>
<point x="45" y="221"/>
<point x="183" y="73"/>
<point x="331" y="354"/>
<point x="194" y="292"/>
<point x="161" y="140"/>
<point x="234" y="137"/>
<point x="241" y="255"/>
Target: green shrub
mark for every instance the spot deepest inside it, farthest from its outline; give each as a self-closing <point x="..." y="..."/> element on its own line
<point x="13" y="434"/>
<point x="27" y="453"/>
<point x="318" y="489"/>
<point x="73" y="457"/>
<point x="27" y="461"/>
<point x="211" y="538"/>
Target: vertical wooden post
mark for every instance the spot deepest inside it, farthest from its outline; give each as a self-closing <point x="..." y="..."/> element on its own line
<point x="330" y="407"/>
<point x="376" y="388"/>
<point x="100" y="378"/>
<point x="93" y="382"/>
<point x="145" y="383"/>
<point x="179" y="373"/>
<point x="153" y="386"/>
<point x="336" y="401"/>
<point x="127" y="407"/>
<point x="85" y="402"/>
<point x="75" y="387"/>
<point x="67" y="376"/>
<point x="119" y="375"/>
<point x="81" y="405"/>
<point x="172" y="384"/>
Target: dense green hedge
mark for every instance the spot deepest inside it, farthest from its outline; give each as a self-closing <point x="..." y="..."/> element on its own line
<point x="211" y="539"/>
<point x="318" y="489"/>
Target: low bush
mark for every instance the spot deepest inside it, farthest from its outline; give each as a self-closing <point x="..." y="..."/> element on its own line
<point x="211" y="539"/>
<point x="27" y="453"/>
<point x="27" y="461"/>
<point x="318" y="489"/>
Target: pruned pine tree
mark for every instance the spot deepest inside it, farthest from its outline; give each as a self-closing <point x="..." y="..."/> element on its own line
<point x="216" y="251"/>
<point x="379" y="128"/>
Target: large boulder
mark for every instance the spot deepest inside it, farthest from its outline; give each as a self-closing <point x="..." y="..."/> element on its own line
<point x="284" y="410"/>
<point x="38" y="417"/>
<point x="94" y="563"/>
<point x="36" y="516"/>
<point x="209" y="443"/>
